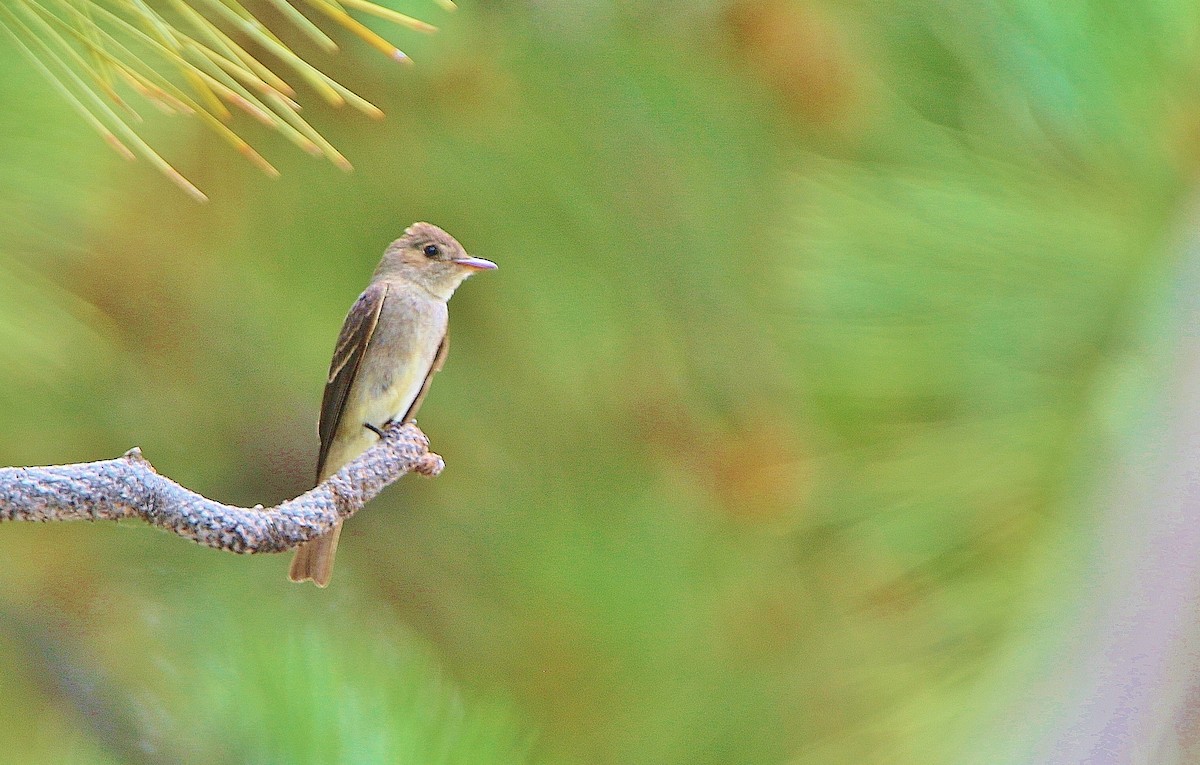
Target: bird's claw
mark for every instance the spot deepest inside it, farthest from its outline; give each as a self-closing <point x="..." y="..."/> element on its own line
<point x="373" y="429"/>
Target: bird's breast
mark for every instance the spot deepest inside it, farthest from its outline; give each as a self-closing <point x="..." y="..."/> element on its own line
<point x="402" y="351"/>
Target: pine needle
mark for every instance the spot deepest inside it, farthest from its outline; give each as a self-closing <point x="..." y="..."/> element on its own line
<point x="324" y="41"/>
<point x="168" y="38"/>
<point x="102" y="66"/>
<point x="263" y="37"/>
<point x="390" y="15"/>
<point x="46" y="53"/>
<point x="339" y="15"/>
<point x="69" y="96"/>
<point x="230" y="50"/>
<point x="325" y="147"/>
<point x="177" y="99"/>
<point x="89" y="51"/>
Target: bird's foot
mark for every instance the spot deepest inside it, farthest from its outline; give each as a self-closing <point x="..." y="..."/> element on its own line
<point x="375" y="430"/>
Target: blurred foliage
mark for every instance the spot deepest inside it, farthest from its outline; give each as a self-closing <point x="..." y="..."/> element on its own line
<point x="774" y="439"/>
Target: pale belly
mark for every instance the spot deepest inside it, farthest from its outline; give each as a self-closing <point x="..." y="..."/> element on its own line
<point x="385" y="387"/>
<point x="353" y="438"/>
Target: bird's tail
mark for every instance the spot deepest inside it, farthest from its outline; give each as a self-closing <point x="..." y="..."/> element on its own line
<point x="314" y="559"/>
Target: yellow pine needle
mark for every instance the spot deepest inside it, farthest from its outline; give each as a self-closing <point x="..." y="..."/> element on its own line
<point x="262" y="35"/>
<point x="219" y="127"/>
<point x="104" y="72"/>
<point x="314" y="32"/>
<point x="246" y="78"/>
<point x="238" y="143"/>
<point x="255" y="65"/>
<point x="297" y="129"/>
<point x="55" y="82"/>
<point x="188" y="104"/>
<point x="235" y="7"/>
<point x="206" y="28"/>
<point x="253" y="156"/>
<point x="35" y="13"/>
<point x="326" y="148"/>
<point x="156" y="95"/>
<point x="231" y="67"/>
<point x="139" y="145"/>
<point x="387" y="13"/>
<point x="88" y="29"/>
<point x="170" y="53"/>
<point x="341" y="94"/>
<point x="228" y="88"/>
<point x="355" y="26"/>
<point x="345" y="94"/>
<point x="352" y="98"/>
<point x="143" y="85"/>
<point x="188" y="187"/>
<point x="153" y="96"/>
<point x="357" y="101"/>
<point x="291" y="133"/>
<point x="210" y="83"/>
<point x="333" y="91"/>
<point x="275" y="116"/>
<point x="240" y="10"/>
<point x="231" y="90"/>
<point x="177" y="102"/>
<point x="224" y="131"/>
<point x="232" y="50"/>
<point x="152" y="22"/>
<point x="218" y="69"/>
<point x="168" y="40"/>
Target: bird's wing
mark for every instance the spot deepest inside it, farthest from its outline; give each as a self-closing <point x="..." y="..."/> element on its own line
<point x="438" y="360"/>
<point x="347" y="356"/>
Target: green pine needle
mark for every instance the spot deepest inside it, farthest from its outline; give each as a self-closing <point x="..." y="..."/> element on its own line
<point x="90" y="51"/>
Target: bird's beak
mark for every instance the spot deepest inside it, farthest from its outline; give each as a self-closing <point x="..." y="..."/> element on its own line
<point x="475" y="264"/>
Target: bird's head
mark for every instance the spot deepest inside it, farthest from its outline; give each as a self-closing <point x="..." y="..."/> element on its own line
<point x="432" y="258"/>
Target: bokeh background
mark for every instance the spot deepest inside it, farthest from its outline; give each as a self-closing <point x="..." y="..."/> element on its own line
<point x="785" y="433"/>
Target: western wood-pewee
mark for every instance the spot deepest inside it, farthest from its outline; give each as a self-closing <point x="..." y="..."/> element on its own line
<point x="392" y="341"/>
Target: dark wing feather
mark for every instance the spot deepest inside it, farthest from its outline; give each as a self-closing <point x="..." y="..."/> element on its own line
<point x="347" y="356"/>
<point x="438" y="360"/>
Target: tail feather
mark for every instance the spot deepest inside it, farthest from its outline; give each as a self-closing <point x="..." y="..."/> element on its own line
<point x="314" y="559"/>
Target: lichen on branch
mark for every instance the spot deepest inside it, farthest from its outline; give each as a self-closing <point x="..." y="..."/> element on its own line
<point x="130" y="487"/>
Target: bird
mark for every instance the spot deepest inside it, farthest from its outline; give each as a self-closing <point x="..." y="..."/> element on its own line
<point x="393" y="340"/>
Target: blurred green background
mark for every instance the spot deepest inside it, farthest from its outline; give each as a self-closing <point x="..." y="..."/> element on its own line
<point x="777" y="437"/>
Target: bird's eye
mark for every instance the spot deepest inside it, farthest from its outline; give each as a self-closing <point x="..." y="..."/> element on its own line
<point x="432" y="250"/>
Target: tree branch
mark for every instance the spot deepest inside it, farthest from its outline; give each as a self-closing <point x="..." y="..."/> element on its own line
<point x="129" y="487"/>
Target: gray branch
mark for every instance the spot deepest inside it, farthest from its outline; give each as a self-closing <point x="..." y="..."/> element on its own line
<point x="129" y="487"/>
